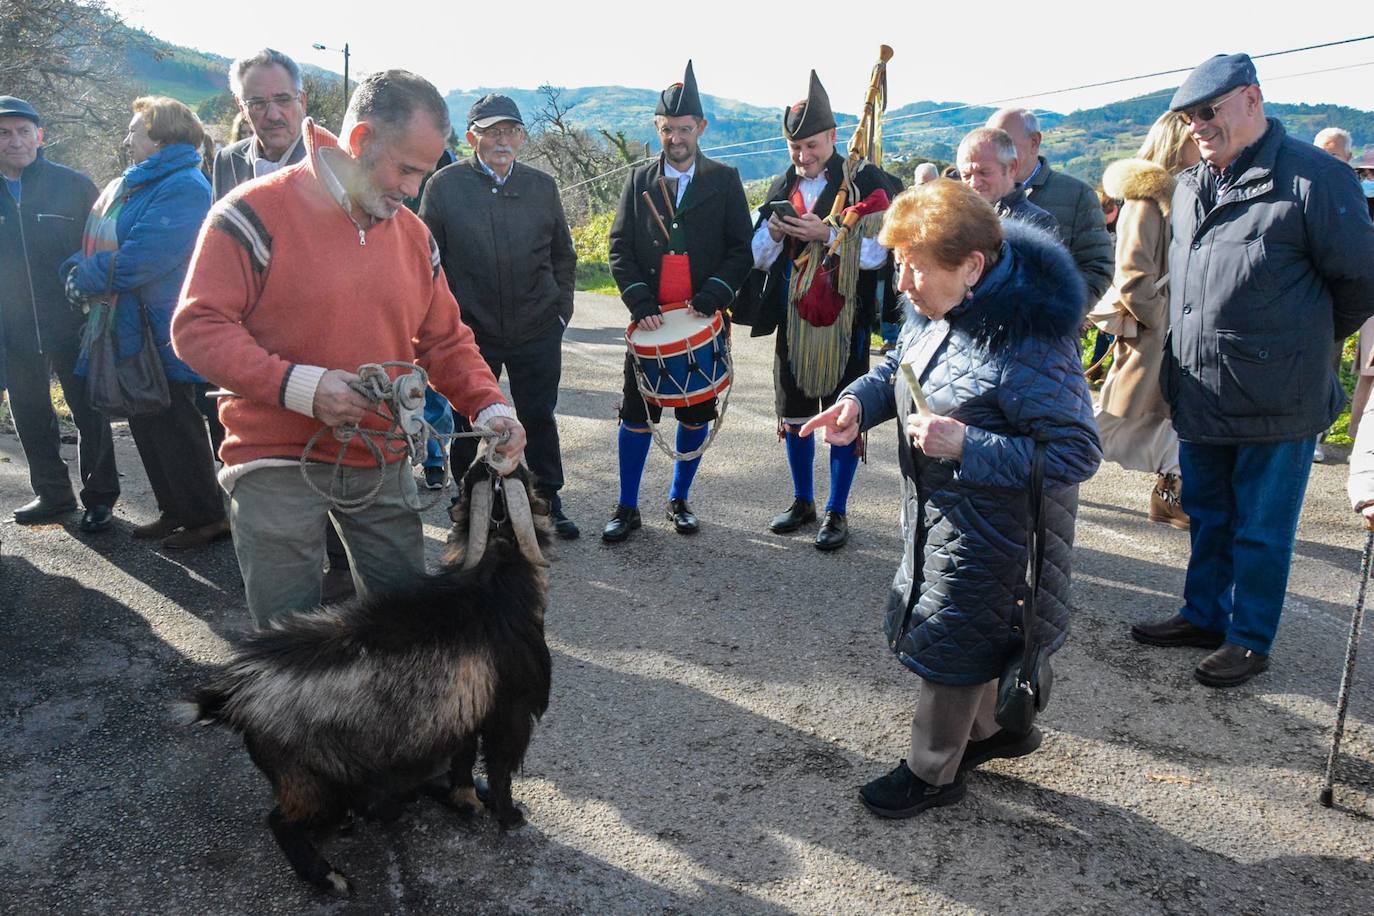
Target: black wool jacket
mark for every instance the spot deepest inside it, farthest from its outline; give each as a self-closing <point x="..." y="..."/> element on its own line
<point x="714" y="222"/>
<point x="505" y="249"/>
<point x="37" y="234"/>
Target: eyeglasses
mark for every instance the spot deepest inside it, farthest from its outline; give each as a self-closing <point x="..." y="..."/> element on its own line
<point x="281" y="100"/>
<point x="1208" y="112"/>
<point x="498" y="133"/>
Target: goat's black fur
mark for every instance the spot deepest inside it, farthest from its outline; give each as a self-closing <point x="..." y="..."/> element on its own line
<point x="352" y="707"/>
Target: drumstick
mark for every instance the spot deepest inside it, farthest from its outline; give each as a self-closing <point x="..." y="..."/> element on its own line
<point x="667" y="198"/>
<point x="658" y="219"/>
<point x="922" y="405"/>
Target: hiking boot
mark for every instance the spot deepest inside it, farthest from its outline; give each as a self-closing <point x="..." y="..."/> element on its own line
<point x="834" y="532"/>
<point x="680" y="514"/>
<point x="1165" y="506"/>
<point x="1230" y="666"/>
<point x="799" y="513"/>
<point x="625" y="520"/>
<point x="1176" y="631"/>
<point x="1003" y="745"/>
<point x="902" y="793"/>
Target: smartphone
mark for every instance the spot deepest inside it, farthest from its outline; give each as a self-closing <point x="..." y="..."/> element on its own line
<point x="783" y="208"/>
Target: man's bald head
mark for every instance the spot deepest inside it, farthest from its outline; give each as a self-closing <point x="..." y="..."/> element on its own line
<point x="1023" y="127"/>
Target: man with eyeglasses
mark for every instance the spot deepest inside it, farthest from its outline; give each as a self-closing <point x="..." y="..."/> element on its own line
<point x="267" y="87"/>
<point x="1270" y="266"/>
<point x="688" y="241"/>
<point x="509" y="259"/>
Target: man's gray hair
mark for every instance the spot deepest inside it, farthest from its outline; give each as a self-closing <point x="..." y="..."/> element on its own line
<point x="999" y="140"/>
<point x="1027" y="117"/>
<point x="1327" y="134"/>
<point x="389" y="99"/>
<point x="239" y="68"/>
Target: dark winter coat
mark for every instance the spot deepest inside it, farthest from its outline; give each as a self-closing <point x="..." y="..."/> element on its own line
<point x="36" y="235"/>
<point x="1261" y="289"/>
<point x="167" y="200"/>
<point x="714" y="222"/>
<point x="1017" y="205"/>
<point x="1075" y="206"/>
<point x="505" y="249"/>
<point x="763" y="303"/>
<point x="1006" y="364"/>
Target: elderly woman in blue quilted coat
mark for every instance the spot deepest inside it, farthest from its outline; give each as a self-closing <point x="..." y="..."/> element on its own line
<point x="994" y="344"/>
<point x="137" y="247"/>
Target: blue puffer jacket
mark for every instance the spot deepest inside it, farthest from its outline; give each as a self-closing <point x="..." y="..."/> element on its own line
<point x="1005" y="363"/>
<point x="167" y="200"/>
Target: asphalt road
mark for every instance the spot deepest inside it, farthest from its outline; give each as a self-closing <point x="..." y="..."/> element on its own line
<point x="717" y="700"/>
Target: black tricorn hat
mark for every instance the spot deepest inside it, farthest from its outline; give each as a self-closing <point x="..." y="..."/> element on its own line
<point x="811" y="115"/>
<point x="681" y="99"/>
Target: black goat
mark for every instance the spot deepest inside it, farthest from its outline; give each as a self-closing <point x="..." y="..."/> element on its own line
<point x="354" y="707"/>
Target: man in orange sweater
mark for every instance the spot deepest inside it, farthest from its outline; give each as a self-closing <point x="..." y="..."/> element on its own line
<point x="317" y="267"/>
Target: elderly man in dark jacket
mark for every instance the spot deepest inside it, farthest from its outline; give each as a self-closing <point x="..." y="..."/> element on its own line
<point x="1271" y="265"/>
<point x="988" y="164"/>
<point x="510" y="262"/>
<point x="1072" y="203"/>
<point x="43" y="209"/>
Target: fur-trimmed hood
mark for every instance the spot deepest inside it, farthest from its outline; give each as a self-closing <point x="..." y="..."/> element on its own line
<point x="1034" y="290"/>
<point x="1139" y="179"/>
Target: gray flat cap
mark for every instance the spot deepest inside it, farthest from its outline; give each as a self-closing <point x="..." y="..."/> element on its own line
<point x="1214" y="77"/>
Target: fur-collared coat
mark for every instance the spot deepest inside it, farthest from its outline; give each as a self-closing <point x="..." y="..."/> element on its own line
<point x="1006" y="364"/>
<point x="1140" y="287"/>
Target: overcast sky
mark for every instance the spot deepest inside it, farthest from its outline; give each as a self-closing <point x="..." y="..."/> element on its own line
<point x="761" y="52"/>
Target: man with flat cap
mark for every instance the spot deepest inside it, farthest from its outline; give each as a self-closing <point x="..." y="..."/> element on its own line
<point x="43" y="210"/>
<point x="508" y="255"/>
<point x="815" y="356"/>
<point x="689" y="241"/>
<point x="1270" y="267"/>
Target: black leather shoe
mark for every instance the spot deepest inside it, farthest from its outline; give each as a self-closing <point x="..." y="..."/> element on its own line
<point x="1230" y="665"/>
<point x="565" y="527"/>
<point x="96" y="518"/>
<point x="834" y="532"/>
<point x="680" y="514"/>
<point x="799" y="513"/>
<point x="1003" y="745"/>
<point x="40" y="510"/>
<point x="1176" y="631"/>
<point x="902" y="793"/>
<point x="625" y="520"/>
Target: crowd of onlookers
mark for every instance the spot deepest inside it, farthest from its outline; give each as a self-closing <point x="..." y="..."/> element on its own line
<point x="1219" y="269"/>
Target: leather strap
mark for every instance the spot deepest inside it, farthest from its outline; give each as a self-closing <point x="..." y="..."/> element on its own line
<point x="1036" y="546"/>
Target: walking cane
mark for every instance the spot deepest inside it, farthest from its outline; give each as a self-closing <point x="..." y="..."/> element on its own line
<point x="1343" y="697"/>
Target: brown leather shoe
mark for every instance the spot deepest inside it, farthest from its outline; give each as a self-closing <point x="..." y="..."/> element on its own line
<point x="1176" y="631"/>
<point x="190" y="538"/>
<point x="1230" y="666"/>
<point x="1165" y="506"/>
<point x="155" y="530"/>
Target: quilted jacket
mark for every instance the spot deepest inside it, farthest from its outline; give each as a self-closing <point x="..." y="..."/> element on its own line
<point x="1006" y="363"/>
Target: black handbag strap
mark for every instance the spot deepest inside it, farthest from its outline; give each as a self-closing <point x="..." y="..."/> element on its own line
<point x="1036" y="547"/>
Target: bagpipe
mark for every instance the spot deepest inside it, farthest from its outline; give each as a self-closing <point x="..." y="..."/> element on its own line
<point x="824" y="280"/>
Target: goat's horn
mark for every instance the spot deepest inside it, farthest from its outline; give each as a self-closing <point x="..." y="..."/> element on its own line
<point x="479" y="523"/>
<point x="522" y="521"/>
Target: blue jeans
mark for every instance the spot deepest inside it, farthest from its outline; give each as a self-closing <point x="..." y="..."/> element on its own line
<point x="1243" y="503"/>
<point x="438" y="414"/>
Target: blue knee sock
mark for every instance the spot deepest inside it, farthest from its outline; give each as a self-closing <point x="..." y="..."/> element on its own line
<point x="688" y="440"/>
<point x="634" y="451"/>
<point x="844" y="463"/>
<point x="801" y="454"/>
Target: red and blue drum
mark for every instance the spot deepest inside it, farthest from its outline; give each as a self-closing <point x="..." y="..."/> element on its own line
<point x="683" y="362"/>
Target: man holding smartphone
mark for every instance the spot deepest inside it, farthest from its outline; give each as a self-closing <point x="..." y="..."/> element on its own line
<point x="814" y="362"/>
<point x="687" y="241"/>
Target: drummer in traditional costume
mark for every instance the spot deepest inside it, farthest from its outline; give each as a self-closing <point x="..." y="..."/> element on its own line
<point x="823" y="317"/>
<point x="687" y="242"/>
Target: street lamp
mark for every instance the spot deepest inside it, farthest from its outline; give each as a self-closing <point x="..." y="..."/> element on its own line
<point x="319" y="47"/>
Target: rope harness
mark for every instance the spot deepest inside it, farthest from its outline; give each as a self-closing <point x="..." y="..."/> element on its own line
<point x="400" y="403"/>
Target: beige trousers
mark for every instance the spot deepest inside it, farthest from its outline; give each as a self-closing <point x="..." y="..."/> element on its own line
<point x="947" y="719"/>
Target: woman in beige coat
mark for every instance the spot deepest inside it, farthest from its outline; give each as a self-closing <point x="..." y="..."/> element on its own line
<point x="1132" y="418"/>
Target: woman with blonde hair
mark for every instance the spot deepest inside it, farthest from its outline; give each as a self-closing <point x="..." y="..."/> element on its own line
<point x="993" y="346"/>
<point x="1132" y="417"/>
<point x="137" y="247"/>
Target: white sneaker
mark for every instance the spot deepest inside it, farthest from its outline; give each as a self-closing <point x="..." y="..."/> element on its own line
<point x="1318" y="453"/>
